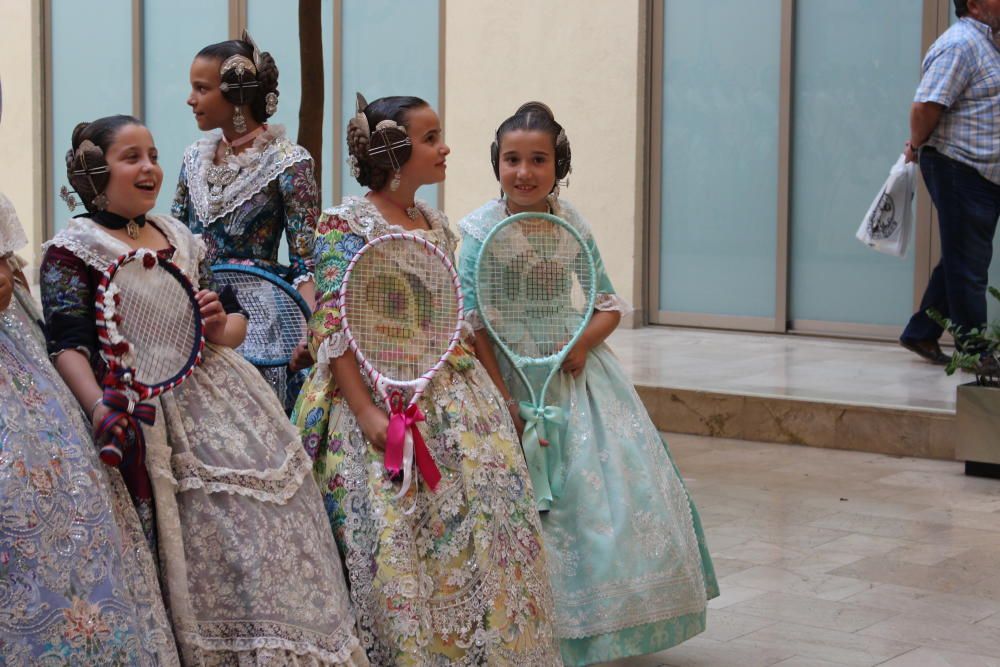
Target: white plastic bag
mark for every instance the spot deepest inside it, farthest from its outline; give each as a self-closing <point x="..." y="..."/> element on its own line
<point x="888" y="225"/>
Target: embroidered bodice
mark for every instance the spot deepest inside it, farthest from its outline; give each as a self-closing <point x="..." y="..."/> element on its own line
<point x="268" y="189"/>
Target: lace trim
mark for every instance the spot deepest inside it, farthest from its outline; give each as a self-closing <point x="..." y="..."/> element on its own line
<point x="468" y="331"/>
<point x="90" y="257"/>
<point x="276" y="485"/>
<point x="474" y="321"/>
<point x="609" y="301"/>
<point x="87" y="240"/>
<point x="644" y="599"/>
<point x="333" y="346"/>
<point x="11" y="232"/>
<point x="305" y="278"/>
<point x="479" y="223"/>
<point x="271" y="154"/>
<point x="343" y="648"/>
<point x="364" y="220"/>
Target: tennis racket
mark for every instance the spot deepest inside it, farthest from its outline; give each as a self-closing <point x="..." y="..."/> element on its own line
<point x="536" y="287"/>
<point x="150" y="333"/>
<point x="401" y="309"/>
<point x="279" y="317"/>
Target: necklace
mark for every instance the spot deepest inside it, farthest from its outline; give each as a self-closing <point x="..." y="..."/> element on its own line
<point x="219" y="176"/>
<point x="412" y="212"/>
<point x="115" y="221"/>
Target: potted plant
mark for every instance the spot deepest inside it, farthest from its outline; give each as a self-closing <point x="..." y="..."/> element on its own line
<point x="978" y="404"/>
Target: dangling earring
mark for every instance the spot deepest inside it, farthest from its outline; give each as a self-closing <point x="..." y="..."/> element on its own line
<point x="394" y="185"/>
<point x="239" y="122"/>
<point x="100" y="202"/>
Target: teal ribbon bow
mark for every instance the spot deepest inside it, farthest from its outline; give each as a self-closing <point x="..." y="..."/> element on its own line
<point x="544" y="461"/>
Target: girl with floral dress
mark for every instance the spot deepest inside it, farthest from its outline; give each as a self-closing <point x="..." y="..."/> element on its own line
<point x="629" y="567"/>
<point x="78" y="584"/>
<point x="453" y="576"/>
<point x="247" y="561"/>
<point x="246" y="182"/>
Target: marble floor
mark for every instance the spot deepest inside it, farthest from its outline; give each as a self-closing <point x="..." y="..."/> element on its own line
<point x="830" y="557"/>
<point x="789" y="366"/>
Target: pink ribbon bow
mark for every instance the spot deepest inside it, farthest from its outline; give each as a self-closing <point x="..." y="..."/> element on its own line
<point x="404" y="441"/>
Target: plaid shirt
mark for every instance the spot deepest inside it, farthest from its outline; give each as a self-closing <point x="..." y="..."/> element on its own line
<point x="961" y="71"/>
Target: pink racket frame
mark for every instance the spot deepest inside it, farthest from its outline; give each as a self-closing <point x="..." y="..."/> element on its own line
<point x="381" y="381"/>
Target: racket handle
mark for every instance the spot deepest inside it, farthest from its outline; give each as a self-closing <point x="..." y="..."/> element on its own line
<point x="111" y="455"/>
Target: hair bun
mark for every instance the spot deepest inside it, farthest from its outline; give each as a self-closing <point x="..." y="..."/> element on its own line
<point x="77" y="137"/>
<point x="83" y="169"/>
<point x="535" y="106"/>
<point x="267" y="73"/>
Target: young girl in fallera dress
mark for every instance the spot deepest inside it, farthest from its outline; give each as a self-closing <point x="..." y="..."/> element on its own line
<point x="248" y="564"/>
<point x="461" y="579"/>
<point x="78" y="584"/>
<point x="245" y="182"/>
<point x="629" y="568"/>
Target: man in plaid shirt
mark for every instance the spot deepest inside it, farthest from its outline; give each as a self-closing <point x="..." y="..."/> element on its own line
<point x="955" y="134"/>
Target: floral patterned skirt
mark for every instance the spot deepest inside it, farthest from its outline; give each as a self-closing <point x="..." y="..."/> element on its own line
<point x="77" y="583"/>
<point x="454" y="576"/>
<point x="250" y="568"/>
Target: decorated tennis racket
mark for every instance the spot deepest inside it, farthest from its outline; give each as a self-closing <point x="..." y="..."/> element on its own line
<point x="150" y="333"/>
<point x="401" y="310"/>
<point x="535" y="289"/>
<point x="279" y="317"/>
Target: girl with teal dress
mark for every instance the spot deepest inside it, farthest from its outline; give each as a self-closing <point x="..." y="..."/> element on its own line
<point x="627" y="559"/>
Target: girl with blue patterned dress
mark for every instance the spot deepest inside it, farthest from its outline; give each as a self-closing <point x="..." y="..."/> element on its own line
<point x="626" y="553"/>
<point x="451" y="576"/>
<point x="246" y="182"/>
<point x="78" y="584"/>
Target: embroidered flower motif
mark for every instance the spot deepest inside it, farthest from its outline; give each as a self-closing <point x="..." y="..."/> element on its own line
<point x="84" y="623"/>
<point x="313" y="417"/>
<point x="349" y="246"/>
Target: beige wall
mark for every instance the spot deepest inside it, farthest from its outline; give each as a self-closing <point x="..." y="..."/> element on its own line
<point x="22" y="126"/>
<point x="586" y="65"/>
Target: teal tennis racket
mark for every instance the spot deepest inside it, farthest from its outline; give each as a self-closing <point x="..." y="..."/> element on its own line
<point x="535" y="288"/>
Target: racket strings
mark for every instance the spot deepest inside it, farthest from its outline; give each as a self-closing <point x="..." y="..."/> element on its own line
<point x="535" y="280"/>
<point x="276" y="325"/>
<point x="401" y="306"/>
<point x="158" y="321"/>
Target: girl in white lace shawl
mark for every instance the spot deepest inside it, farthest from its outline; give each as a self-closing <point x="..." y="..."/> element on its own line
<point x="630" y="572"/>
<point x="248" y="562"/>
<point x="78" y="584"/>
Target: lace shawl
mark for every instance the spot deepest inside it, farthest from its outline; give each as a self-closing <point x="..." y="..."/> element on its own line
<point x="90" y="242"/>
<point x="271" y="153"/>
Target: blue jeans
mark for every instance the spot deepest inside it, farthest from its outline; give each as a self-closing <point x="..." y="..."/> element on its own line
<point x="968" y="206"/>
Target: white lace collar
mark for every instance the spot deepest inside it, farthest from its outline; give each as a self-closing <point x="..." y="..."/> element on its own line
<point x="365" y="220"/>
<point x="269" y="155"/>
<point x="479" y="223"/>
<point x="90" y="242"/>
<point x="11" y="233"/>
